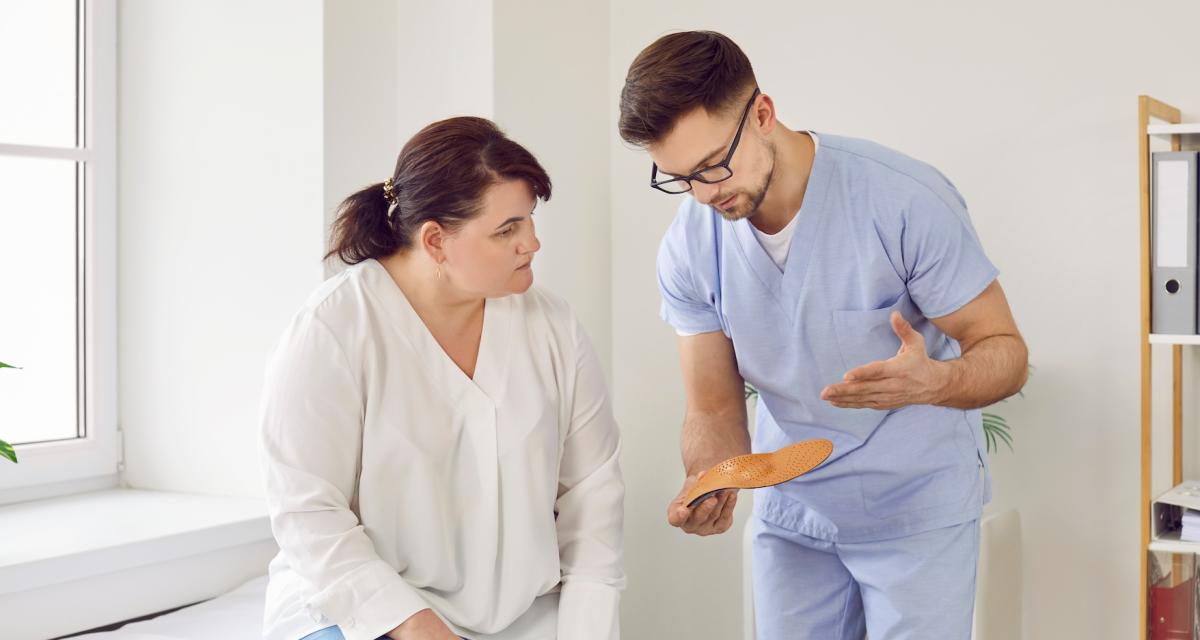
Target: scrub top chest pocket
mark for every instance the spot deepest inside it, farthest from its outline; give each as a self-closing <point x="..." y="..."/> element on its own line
<point x="865" y="335"/>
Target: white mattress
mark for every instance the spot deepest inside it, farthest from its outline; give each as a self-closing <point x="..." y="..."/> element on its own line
<point x="236" y="615"/>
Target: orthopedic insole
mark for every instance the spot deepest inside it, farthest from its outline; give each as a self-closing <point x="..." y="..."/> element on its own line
<point x="757" y="470"/>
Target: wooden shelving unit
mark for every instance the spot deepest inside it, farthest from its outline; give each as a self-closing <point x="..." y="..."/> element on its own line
<point x="1168" y="126"/>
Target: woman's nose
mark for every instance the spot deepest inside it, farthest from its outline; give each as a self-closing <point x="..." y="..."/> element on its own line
<point x="531" y="244"/>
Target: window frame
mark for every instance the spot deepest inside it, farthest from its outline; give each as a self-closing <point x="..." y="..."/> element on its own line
<point x="93" y="461"/>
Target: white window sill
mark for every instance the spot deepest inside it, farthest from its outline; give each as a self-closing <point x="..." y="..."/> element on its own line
<point x="126" y="553"/>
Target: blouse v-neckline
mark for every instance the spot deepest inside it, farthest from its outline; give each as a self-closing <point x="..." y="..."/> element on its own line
<point x="491" y="362"/>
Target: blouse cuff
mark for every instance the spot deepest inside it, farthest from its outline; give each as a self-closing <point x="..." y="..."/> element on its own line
<point x="369" y="602"/>
<point x="588" y="610"/>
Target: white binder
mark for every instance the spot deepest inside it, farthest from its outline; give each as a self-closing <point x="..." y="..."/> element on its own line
<point x="1168" y="509"/>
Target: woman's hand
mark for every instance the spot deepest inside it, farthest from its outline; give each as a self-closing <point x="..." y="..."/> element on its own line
<point x="423" y="625"/>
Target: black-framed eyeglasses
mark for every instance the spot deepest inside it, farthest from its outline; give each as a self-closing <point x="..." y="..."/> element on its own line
<point x="708" y="175"/>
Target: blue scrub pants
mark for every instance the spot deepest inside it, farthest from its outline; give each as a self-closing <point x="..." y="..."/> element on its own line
<point x="919" y="587"/>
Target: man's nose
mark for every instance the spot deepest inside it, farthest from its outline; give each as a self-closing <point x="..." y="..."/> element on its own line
<point x="704" y="193"/>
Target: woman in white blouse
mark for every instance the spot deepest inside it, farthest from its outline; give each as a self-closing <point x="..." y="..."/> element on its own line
<point x="441" y="459"/>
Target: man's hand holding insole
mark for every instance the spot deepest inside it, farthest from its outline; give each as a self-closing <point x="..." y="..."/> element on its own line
<point x="911" y="377"/>
<point x="710" y="516"/>
<point x="714" y="428"/>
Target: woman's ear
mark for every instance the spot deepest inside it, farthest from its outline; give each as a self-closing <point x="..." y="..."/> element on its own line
<point x="432" y="237"/>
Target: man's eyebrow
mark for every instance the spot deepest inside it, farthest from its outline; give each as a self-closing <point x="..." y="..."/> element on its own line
<point x="699" y="165"/>
<point x="704" y="162"/>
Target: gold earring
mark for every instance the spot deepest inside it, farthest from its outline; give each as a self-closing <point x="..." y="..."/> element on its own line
<point x="439" y="273"/>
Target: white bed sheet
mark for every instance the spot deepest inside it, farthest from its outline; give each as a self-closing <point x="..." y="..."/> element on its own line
<point x="236" y="615"/>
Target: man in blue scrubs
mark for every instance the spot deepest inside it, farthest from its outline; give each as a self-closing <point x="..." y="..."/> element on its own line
<point x="845" y="282"/>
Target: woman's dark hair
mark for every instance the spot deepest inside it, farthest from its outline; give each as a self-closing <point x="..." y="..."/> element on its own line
<point x="441" y="175"/>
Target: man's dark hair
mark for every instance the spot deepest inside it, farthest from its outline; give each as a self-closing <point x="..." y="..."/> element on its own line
<point x="676" y="74"/>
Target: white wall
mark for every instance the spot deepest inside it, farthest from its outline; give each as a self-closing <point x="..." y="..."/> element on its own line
<point x="362" y="131"/>
<point x="1031" y="109"/>
<point x="390" y="69"/>
<point x="550" y="96"/>
<point x="446" y="62"/>
<point x="220" y="225"/>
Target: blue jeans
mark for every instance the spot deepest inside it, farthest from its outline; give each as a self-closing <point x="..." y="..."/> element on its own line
<point x="333" y="633"/>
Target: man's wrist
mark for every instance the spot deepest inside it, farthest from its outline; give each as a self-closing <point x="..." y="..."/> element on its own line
<point x="941" y="387"/>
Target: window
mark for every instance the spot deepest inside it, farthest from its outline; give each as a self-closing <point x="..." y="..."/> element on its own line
<point x="57" y="241"/>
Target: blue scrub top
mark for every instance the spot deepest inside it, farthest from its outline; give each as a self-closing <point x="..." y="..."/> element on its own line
<point x="878" y="231"/>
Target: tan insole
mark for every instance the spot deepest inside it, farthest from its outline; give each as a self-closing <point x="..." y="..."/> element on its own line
<point x="757" y="470"/>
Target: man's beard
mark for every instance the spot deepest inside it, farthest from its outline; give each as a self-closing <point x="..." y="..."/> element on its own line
<point x="756" y="197"/>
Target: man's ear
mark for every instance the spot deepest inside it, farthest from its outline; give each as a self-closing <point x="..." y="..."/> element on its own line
<point x="763" y="113"/>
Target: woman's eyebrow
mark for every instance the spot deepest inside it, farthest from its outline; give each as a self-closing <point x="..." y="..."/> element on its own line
<point x="510" y="220"/>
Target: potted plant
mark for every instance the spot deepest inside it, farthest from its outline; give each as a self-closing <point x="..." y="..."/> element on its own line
<point x="6" y="449"/>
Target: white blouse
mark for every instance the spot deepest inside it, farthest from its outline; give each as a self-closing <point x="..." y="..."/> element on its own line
<point x="396" y="483"/>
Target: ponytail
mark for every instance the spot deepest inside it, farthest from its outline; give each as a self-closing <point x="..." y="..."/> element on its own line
<point x="363" y="229"/>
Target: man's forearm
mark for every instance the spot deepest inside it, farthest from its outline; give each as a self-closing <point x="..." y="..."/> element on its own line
<point x="711" y="438"/>
<point x="989" y="371"/>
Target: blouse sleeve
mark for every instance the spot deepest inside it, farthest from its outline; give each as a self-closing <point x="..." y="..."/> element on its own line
<point x="590" y="507"/>
<point x="311" y="437"/>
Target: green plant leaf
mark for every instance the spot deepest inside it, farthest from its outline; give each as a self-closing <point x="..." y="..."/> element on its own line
<point x="996" y="436"/>
<point x="7" y="451"/>
<point x="996" y="430"/>
<point x="998" y="426"/>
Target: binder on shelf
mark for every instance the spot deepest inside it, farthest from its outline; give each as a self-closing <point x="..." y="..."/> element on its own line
<point x="1173" y="596"/>
<point x="1174" y="592"/>
<point x="1166" y="518"/>
<point x="1173" y="213"/>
